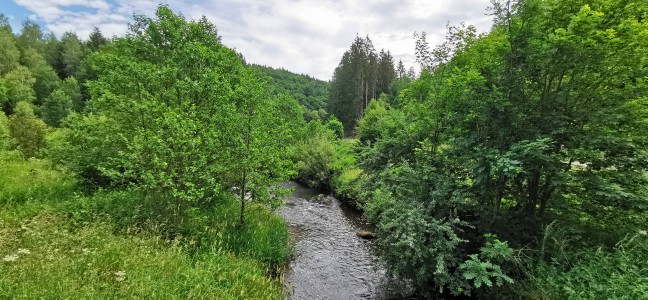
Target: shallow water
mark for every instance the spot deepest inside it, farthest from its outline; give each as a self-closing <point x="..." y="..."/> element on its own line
<point x="330" y="261"/>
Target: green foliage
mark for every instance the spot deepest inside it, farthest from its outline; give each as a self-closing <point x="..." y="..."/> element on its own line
<point x="361" y="76"/>
<point x="27" y="130"/>
<point x="8" y="51"/>
<point x="118" y="244"/>
<point x="18" y="86"/>
<point x="195" y="122"/>
<point x="313" y="155"/>
<point x="56" y="107"/>
<point x="5" y="133"/>
<point x="541" y="119"/>
<point x="70" y="86"/>
<point x="592" y="272"/>
<point x="309" y="92"/>
<point x="333" y="124"/>
<point x="44" y="75"/>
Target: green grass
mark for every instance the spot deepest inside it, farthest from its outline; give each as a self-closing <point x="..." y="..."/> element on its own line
<point x="58" y="243"/>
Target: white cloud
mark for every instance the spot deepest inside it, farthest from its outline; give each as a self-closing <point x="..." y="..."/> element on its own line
<point x="304" y="36"/>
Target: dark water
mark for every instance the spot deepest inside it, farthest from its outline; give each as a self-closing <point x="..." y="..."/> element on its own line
<point x="330" y="261"/>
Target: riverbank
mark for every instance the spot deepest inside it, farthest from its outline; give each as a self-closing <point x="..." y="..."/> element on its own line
<point x="56" y="242"/>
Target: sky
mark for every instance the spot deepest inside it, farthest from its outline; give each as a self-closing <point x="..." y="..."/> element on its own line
<point x="303" y="36"/>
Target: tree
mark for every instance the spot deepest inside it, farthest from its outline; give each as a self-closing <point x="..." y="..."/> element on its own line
<point x="19" y="86"/>
<point x="360" y="77"/>
<point x="386" y="72"/>
<point x="44" y="75"/>
<point x="71" y="88"/>
<point x="27" y="130"/>
<point x="96" y="40"/>
<point x="72" y="52"/>
<point x="8" y="51"/>
<point x="193" y="122"/>
<point x="31" y="37"/>
<point x="400" y="70"/>
<point x="57" y="106"/>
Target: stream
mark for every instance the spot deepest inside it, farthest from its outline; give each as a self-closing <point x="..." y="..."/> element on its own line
<point x="330" y="261"/>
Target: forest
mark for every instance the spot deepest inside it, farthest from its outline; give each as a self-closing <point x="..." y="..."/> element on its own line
<point x="514" y="165"/>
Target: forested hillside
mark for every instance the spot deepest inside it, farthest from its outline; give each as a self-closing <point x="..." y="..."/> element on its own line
<point x="151" y="165"/>
<point x="309" y="92"/>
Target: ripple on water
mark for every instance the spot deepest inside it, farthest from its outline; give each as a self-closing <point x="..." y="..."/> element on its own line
<point x="330" y="261"/>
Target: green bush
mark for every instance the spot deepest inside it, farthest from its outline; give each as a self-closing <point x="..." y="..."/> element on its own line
<point x="27" y="130"/>
<point x="313" y="155"/>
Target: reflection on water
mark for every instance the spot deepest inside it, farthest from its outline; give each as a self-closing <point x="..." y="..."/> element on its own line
<point x="330" y="261"/>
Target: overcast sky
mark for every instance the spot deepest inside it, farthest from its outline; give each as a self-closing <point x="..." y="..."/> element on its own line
<point x="303" y="36"/>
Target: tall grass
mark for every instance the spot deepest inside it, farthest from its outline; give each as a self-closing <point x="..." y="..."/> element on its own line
<point x="57" y="243"/>
<point x="44" y="258"/>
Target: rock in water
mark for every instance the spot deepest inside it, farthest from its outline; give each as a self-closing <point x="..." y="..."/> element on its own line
<point x="366" y="234"/>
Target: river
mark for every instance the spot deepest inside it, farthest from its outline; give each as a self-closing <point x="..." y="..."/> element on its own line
<point x="330" y="261"/>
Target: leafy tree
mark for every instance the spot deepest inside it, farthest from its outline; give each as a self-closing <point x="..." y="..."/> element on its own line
<point x="45" y="77"/>
<point x="27" y="130"/>
<point x="19" y="86"/>
<point x="193" y="121"/>
<point x="4" y="23"/>
<point x="71" y="53"/>
<point x="56" y="107"/>
<point x="30" y="37"/>
<point x="543" y="118"/>
<point x="71" y="88"/>
<point x="336" y="126"/>
<point x="8" y="51"/>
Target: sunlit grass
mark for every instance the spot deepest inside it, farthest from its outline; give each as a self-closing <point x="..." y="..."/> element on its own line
<point x="58" y="243"/>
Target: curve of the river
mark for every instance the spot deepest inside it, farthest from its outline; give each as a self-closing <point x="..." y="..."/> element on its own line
<point x="330" y="261"/>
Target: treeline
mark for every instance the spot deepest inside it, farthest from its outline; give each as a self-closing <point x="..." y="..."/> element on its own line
<point x="363" y="74"/>
<point x="515" y="165"/>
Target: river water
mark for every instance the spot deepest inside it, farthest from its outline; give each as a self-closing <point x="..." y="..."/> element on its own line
<point x="330" y="261"/>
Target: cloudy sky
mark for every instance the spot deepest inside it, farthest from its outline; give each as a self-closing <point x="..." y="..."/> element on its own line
<point x="303" y="36"/>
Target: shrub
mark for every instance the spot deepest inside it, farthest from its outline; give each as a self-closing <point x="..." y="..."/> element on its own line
<point x="27" y="130"/>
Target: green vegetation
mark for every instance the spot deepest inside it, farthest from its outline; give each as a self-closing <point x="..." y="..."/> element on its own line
<point x="160" y="187"/>
<point x="309" y="92"/>
<point x="56" y="242"/>
<point x="149" y="165"/>
<point x="540" y="121"/>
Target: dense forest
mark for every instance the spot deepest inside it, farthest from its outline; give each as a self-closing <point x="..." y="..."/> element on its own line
<point x="513" y="166"/>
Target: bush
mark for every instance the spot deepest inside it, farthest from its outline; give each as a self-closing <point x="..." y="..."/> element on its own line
<point x="27" y="130"/>
<point x="313" y="156"/>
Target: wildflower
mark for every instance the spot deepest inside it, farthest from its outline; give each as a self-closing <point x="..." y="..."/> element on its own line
<point x="120" y="275"/>
<point x="23" y="251"/>
<point x="642" y="232"/>
<point x="10" y="258"/>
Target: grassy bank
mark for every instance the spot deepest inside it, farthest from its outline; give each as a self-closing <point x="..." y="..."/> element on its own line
<point x="58" y="243"/>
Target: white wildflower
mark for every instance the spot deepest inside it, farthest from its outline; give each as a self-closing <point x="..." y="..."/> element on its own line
<point x="23" y="251"/>
<point x="10" y="258"/>
<point x="643" y="232"/>
<point x="120" y="275"/>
